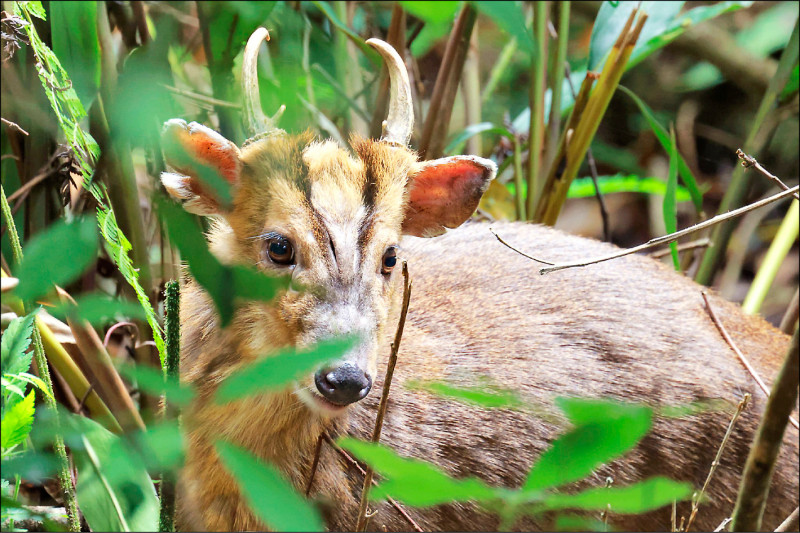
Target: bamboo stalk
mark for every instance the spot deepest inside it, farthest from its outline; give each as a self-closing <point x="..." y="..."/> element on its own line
<point x="536" y="96"/>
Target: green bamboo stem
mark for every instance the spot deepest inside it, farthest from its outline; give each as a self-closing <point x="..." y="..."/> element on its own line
<point x="172" y="330"/>
<point x="536" y="93"/>
<point x="64" y="478"/>
<point x="499" y="69"/>
<point x="557" y="78"/>
<point x="519" y="199"/>
<point x="756" y="139"/>
<point x="778" y="250"/>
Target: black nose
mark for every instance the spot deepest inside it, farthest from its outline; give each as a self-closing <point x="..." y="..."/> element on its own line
<point x="344" y="384"/>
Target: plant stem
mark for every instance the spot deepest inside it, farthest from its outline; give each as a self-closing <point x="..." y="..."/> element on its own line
<point x="557" y="78"/>
<point x="64" y="478"/>
<point x="536" y="94"/>
<point x="172" y="331"/>
<point x="518" y="197"/>
<point x="778" y="250"/>
<point x="756" y="139"/>
<point x="499" y="68"/>
<point x="760" y="464"/>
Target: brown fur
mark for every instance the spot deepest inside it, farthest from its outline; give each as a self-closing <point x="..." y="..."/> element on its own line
<point x="628" y="329"/>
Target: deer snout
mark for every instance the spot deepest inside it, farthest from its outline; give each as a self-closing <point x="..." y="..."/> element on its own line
<point x="344" y="384"/>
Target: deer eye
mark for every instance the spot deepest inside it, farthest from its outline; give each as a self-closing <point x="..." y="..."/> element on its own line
<point x="389" y="260"/>
<point x="280" y="250"/>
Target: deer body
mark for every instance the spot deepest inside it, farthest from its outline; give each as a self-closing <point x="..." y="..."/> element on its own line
<point x="332" y="219"/>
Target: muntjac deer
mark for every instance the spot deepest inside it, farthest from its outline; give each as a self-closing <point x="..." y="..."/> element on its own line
<point x="334" y="218"/>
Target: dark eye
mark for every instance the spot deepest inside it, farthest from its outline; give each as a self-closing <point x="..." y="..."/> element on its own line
<point x="280" y="251"/>
<point x="389" y="260"/>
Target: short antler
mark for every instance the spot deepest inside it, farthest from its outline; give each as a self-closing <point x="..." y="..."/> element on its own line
<point x="400" y="123"/>
<point x="256" y="122"/>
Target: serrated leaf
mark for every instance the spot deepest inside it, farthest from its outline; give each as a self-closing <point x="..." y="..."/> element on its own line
<point x="75" y="43"/>
<point x="56" y="256"/>
<point x="15" y="342"/>
<point x="414" y="482"/>
<point x="270" y="496"/>
<point x="275" y="371"/>
<point x="639" y="498"/>
<point x="603" y="431"/>
<point x="17" y="422"/>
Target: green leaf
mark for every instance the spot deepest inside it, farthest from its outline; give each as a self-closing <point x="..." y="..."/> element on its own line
<point x="56" y="256"/>
<point x="35" y="8"/>
<point x="670" y="207"/>
<point x="17" y="422"/>
<point x="73" y="26"/>
<point x="114" y="490"/>
<point x="480" y="396"/>
<point x="663" y="137"/>
<point x="584" y="187"/>
<point x="154" y="382"/>
<point x="432" y="12"/>
<point x="470" y="131"/>
<point x="639" y="498"/>
<point x="792" y="85"/>
<point x="15" y="342"/>
<point x="428" y="36"/>
<point x="603" y="431"/>
<point x="36" y="381"/>
<point x="98" y="308"/>
<point x="275" y="371"/>
<point x="368" y="51"/>
<point x="270" y="496"/>
<point x="510" y="17"/>
<point x="415" y="483"/>
<point x="222" y="282"/>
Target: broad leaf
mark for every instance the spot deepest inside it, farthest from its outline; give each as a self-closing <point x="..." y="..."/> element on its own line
<point x="639" y="498"/>
<point x="481" y="396"/>
<point x="276" y="371"/>
<point x="154" y="382"/>
<point x="433" y="12"/>
<point x="416" y="482"/>
<point x="603" y="431"/>
<point x="74" y="33"/>
<point x="56" y="257"/>
<point x="511" y="18"/>
<point x="270" y="496"/>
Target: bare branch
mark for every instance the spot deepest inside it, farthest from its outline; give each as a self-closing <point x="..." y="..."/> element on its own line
<point x="749" y="161"/>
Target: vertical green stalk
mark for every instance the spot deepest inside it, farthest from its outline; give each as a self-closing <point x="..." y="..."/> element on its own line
<point x="499" y="69"/>
<point x="519" y="199"/>
<point x="557" y="78"/>
<point x="777" y="252"/>
<point x="536" y="130"/>
<point x="64" y="477"/>
<point x="756" y="139"/>
<point x="172" y="332"/>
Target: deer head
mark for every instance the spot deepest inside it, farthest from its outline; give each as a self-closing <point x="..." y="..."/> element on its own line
<point x="329" y="217"/>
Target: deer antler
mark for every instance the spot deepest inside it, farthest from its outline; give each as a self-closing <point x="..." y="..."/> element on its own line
<point x="399" y="123"/>
<point x="256" y="122"/>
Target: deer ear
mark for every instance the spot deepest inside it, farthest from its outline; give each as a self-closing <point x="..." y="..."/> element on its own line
<point x="444" y="193"/>
<point x="202" y="161"/>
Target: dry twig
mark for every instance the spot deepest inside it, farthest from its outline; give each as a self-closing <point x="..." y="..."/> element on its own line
<point x="739" y="354"/>
<point x="361" y="523"/>
<point x="691" y="245"/>
<point x="749" y="161"/>
<point x="791" y="522"/>
<point x="14" y="126"/>
<point x="715" y="463"/>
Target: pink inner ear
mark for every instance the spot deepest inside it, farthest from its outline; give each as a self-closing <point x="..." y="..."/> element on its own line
<point x="204" y="146"/>
<point x="445" y="193"/>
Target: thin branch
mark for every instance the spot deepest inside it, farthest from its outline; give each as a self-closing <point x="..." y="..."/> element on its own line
<point x="361" y="524"/>
<point x="201" y="97"/>
<point x="674" y="236"/>
<point x="792" y="312"/>
<point x="691" y="245"/>
<point x="14" y="126"/>
<point x="314" y="465"/>
<point x="749" y="161"/>
<point x="715" y="463"/>
<point x="518" y="251"/>
<point x="352" y="462"/>
<point x="721" y="526"/>
<point x="791" y="522"/>
<point x="738" y="352"/>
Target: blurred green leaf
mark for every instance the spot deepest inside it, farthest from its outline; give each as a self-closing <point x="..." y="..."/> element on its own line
<point x="15" y="342"/>
<point x="154" y="382"/>
<point x="429" y="36"/>
<point x="480" y="396"/>
<point x="663" y="137"/>
<point x="639" y="498"/>
<point x="98" y="308"/>
<point x="34" y="7"/>
<point x="510" y="17"/>
<point x="432" y="12"/>
<point x="415" y="483"/>
<point x="603" y="431"/>
<point x="17" y="422"/>
<point x="114" y="490"/>
<point x="670" y="206"/>
<point x="161" y="446"/>
<point x="56" y="256"/>
<point x="792" y="85"/>
<point x="584" y="187"/>
<point x="231" y="23"/>
<point x="223" y="283"/>
<point x="31" y="465"/>
<point x="455" y="146"/>
<point x="73" y="26"/>
<point x="270" y="496"/>
<point x="276" y="371"/>
<point x="328" y="11"/>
